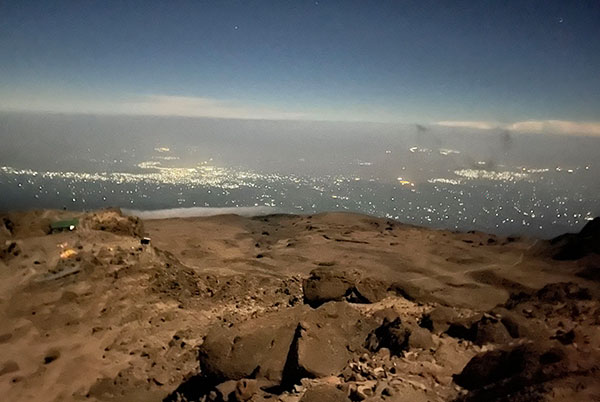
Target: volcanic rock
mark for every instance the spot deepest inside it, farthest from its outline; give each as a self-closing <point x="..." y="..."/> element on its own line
<point x="327" y="284"/>
<point x="573" y="246"/>
<point x="285" y="346"/>
<point x="439" y="319"/>
<point x="330" y="284"/>
<point x="488" y="330"/>
<point x="493" y="366"/>
<point x="257" y="348"/>
<point x="326" y="339"/>
<point x="391" y="335"/>
<point x="245" y="389"/>
<point x="324" y="393"/>
<point x="9" y="250"/>
<point x="420" y="338"/>
<point x="369" y="290"/>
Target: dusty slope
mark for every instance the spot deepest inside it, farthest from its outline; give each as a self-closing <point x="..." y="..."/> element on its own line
<point x="124" y="322"/>
<point x="464" y="269"/>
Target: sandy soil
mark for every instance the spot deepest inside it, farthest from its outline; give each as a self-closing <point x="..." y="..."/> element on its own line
<point x="115" y="320"/>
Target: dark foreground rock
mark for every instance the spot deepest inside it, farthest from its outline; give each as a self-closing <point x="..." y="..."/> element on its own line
<point x="521" y="372"/>
<point x="283" y="347"/>
<point x="549" y="324"/>
<point x="391" y="335"/>
<point x="324" y="393"/>
<point x="488" y="368"/>
<point x="573" y="246"/>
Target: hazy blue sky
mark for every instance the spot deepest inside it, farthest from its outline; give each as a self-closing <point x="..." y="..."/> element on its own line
<point x="476" y="63"/>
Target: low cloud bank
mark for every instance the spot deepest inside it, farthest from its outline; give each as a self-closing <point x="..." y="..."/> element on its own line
<point x="198" y="211"/>
<point x="564" y="127"/>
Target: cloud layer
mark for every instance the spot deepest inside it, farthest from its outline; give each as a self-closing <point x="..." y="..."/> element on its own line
<point x="154" y="105"/>
<point x="189" y="106"/>
<point x="563" y="127"/>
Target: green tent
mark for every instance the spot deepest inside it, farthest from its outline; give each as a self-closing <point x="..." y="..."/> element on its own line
<point x="66" y="225"/>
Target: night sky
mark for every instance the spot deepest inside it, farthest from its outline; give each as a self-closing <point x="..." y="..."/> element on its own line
<point x="472" y="63"/>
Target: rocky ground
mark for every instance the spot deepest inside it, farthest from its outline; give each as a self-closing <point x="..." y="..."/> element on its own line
<point x="331" y="307"/>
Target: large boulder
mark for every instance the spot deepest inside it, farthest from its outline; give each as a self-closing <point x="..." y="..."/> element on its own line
<point x="331" y="284"/>
<point x="490" y="367"/>
<point x="326" y="284"/>
<point x="257" y="348"/>
<point x="391" y="335"/>
<point x="368" y="290"/>
<point x="494" y="375"/>
<point x="481" y="329"/>
<point x="420" y="338"/>
<point x="327" y="338"/>
<point x="283" y="347"/>
<point x="519" y="326"/>
<point x="491" y="330"/>
<point x="439" y="319"/>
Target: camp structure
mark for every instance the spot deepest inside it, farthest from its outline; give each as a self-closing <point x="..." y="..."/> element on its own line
<point x="64" y="225"/>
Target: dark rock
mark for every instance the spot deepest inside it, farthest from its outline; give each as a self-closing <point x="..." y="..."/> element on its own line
<point x="490" y="367"/>
<point x="573" y="246"/>
<point x="257" y="348"/>
<point x="464" y="328"/>
<point x="439" y="319"/>
<point x="324" y="393"/>
<point x="8" y="225"/>
<point x="480" y="329"/>
<point x="330" y="284"/>
<point x="225" y="390"/>
<point x="561" y="292"/>
<point x="283" y="347"/>
<point x="420" y="338"/>
<point x="517" y="325"/>
<point x="552" y="293"/>
<point x="327" y="284"/>
<point x="51" y="356"/>
<point x="506" y="370"/>
<point x="391" y="335"/>
<point x="9" y="250"/>
<point x="591" y="270"/>
<point x="552" y="355"/>
<point x="245" y="389"/>
<point x="410" y="292"/>
<point x="387" y="313"/>
<point x="327" y="338"/>
<point x="369" y="290"/>
<point x="491" y="331"/>
<point x="564" y="337"/>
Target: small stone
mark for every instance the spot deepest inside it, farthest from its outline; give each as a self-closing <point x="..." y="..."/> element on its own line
<point x="365" y="390"/>
<point x="384" y="354"/>
<point x="225" y="389"/>
<point x="245" y="389"/>
<point x="420" y="338"/>
<point x="387" y="391"/>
